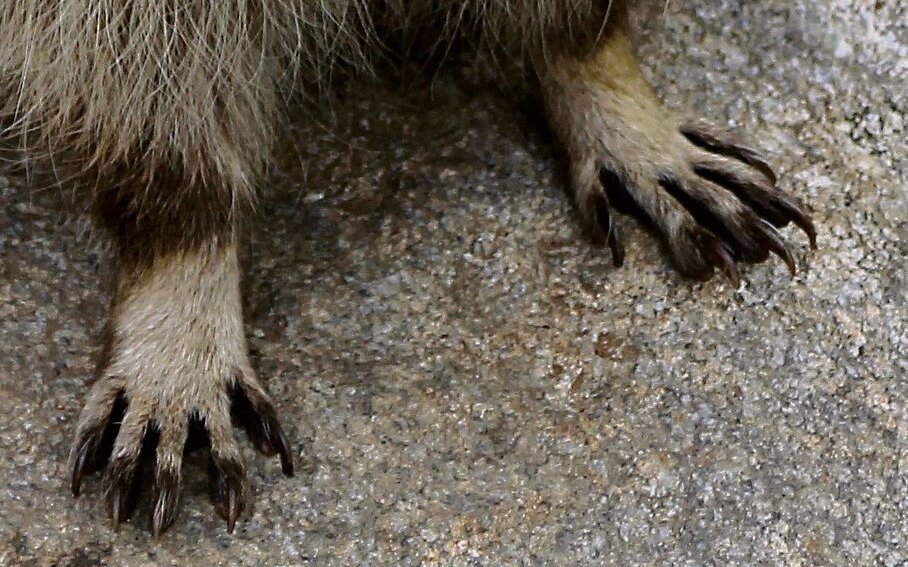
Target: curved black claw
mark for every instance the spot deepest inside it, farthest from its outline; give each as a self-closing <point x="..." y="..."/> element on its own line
<point x="771" y="238"/>
<point x="720" y="256"/>
<point x="615" y="245"/>
<point x="800" y="218"/>
<point x="253" y="411"/>
<point x="704" y="135"/>
<point x="604" y="227"/>
<point x="94" y="443"/>
<point x="229" y="488"/>
<point x="122" y="488"/>
<point x="123" y="478"/>
<point x="767" y="200"/>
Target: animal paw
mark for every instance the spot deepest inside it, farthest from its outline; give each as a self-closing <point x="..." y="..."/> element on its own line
<point x="175" y="377"/>
<point x="714" y="199"/>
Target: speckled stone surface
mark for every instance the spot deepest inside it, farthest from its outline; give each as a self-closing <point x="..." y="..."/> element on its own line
<point x="468" y="382"/>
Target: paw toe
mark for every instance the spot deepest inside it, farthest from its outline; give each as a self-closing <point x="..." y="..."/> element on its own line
<point x="168" y="459"/>
<point x="745" y="234"/>
<point x="252" y="410"/>
<point x="121" y="489"/>
<point x="229" y="487"/>
<point x="166" y="498"/>
<point x="719" y="255"/>
<point x="718" y="141"/>
<point x="764" y="198"/>
<point x="95" y="438"/>
<point x="697" y="253"/>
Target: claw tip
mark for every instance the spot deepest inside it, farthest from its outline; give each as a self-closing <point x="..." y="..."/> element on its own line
<point x="792" y="269"/>
<point x="811" y="233"/>
<point x="615" y="244"/>
<point x="617" y="254"/>
<point x="233" y="509"/>
<point x="806" y="225"/>
<point x="78" y="469"/>
<point x="283" y="450"/>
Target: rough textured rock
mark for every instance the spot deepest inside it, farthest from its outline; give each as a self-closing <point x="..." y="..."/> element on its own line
<point x="468" y="382"/>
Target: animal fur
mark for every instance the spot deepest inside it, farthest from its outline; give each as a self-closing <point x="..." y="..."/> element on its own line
<point x="165" y="111"/>
<point x="126" y="88"/>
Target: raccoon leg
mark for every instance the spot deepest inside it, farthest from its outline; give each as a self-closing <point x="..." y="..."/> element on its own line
<point x="711" y="196"/>
<point x="175" y="366"/>
<point x="169" y="118"/>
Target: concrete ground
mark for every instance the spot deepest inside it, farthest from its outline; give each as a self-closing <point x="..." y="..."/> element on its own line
<point x="468" y="382"/>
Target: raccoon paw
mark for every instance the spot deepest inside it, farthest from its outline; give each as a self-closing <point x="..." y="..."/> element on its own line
<point x="175" y="376"/>
<point x="712" y="198"/>
<point x="125" y="431"/>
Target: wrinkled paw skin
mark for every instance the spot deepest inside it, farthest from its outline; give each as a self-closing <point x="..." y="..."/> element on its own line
<point x="175" y="377"/>
<point x="124" y="443"/>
